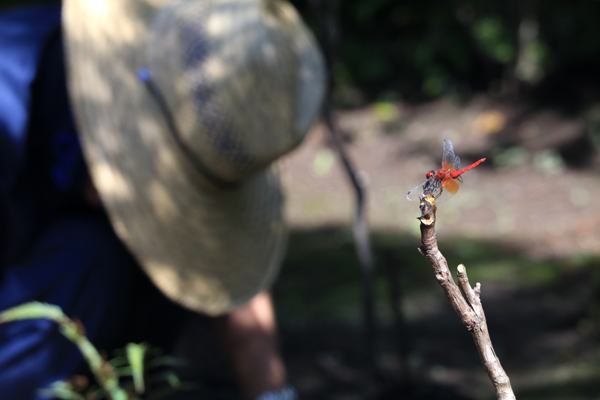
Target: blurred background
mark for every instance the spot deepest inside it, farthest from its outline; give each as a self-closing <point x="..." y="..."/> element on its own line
<point x="516" y="82"/>
<point x="513" y="81"/>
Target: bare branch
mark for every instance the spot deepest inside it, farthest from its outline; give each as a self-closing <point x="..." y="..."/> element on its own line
<point x="467" y="305"/>
<point x="468" y="292"/>
<point x="326" y="13"/>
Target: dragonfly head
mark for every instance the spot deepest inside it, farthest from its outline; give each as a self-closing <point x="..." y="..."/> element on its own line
<point x="429" y="174"/>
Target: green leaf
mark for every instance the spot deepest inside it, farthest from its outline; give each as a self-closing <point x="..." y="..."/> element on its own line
<point x="135" y="355"/>
<point x="492" y="37"/>
<point x="173" y="381"/>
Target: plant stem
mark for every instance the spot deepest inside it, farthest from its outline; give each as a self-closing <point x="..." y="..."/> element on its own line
<point x="74" y="331"/>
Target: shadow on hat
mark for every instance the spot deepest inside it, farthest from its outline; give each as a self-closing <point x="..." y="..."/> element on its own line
<point x="184" y="108"/>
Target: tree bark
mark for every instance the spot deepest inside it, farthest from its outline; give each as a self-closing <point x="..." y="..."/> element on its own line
<point x="466" y="302"/>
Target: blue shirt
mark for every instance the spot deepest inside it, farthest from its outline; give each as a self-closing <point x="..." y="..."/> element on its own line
<point x="23" y="34"/>
<point x="41" y="167"/>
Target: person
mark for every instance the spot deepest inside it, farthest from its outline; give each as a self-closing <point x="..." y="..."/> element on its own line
<point x="161" y="153"/>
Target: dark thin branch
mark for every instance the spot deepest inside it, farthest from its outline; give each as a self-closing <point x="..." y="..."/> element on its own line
<point x="328" y="33"/>
<point x="400" y="325"/>
<point x="362" y="240"/>
<point x="466" y="302"/>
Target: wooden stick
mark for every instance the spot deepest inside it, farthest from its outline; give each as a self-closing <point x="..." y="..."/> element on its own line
<point x="466" y="302"/>
<point x="326" y="14"/>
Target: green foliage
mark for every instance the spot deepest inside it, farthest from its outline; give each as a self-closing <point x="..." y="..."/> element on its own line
<point x="539" y="52"/>
<point x="33" y="310"/>
<point x="434" y="83"/>
<point x="134" y="363"/>
<point x="548" y="162"/>
<point x="135" y="356"/>
<point x="511" y="157"/>
<point x="365" y="11"/>
<point x="430" y="48"/>
<point x="492" y="35"/>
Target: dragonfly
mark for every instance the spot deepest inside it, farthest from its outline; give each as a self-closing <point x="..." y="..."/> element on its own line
<point x="443" y="184"/>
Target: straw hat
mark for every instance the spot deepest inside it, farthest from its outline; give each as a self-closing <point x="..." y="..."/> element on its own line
<point x="183" y="107"/>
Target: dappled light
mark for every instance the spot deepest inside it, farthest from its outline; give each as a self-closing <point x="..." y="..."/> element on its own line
<point x="171" y="174"/>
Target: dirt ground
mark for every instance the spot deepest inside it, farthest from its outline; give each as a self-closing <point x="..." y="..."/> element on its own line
<point x="522" y="198"/>
<point x="525" y="223"/>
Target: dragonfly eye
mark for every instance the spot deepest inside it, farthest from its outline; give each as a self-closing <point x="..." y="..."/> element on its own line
<point x="429" y="174"/>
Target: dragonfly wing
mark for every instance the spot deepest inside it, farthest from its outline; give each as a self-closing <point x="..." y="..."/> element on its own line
<point x="449" y="157"/>
<point x="451" y="186"/>
<point x="449" y="189"/>
<point x="415" y="193"/>
<point x="456" y="163"/>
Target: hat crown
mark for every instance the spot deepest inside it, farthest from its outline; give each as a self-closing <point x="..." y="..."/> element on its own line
<point x="242" y="80"/>
<point x="233" y="108"/>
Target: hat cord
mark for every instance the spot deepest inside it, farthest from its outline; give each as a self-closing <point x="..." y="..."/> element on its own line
<point x="144" y="76"/>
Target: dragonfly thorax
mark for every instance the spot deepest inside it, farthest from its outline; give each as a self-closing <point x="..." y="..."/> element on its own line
<point x="432" y="187"/>
<point x="441" y="174"/>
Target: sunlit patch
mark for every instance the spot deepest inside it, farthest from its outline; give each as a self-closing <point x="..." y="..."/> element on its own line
<point x="219" y="25"/>
<point x="165" y="277"/>
<point x="323" y="163"/>
<point x="168" y="164"/>
<point x="162" y="202"/>
<point x="119" y="227"/>
<point x="157" y="3"/>
<point x="98" y="8"/>
<point x="111" y="183"/>
<point x="97" y="88"/>
<point x="489" y="122"/>
<point x="217" y="69"/>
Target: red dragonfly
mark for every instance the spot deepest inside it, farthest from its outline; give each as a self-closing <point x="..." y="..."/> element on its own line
<point x="443" y="184"/>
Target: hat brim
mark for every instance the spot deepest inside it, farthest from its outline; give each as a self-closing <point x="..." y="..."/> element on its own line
<point x="208" y="249"/>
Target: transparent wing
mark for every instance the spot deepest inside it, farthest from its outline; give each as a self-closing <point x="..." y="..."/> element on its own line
<point x="415" y="193"/>
<point x="456" y="163"/>
<point x="449" y="157"/>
